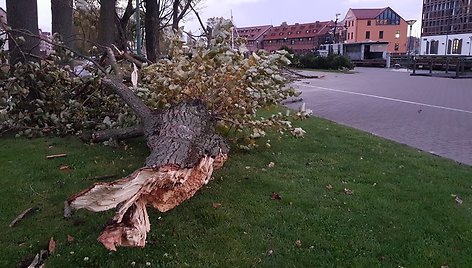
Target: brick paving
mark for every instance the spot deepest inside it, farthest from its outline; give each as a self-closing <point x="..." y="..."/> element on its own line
<point x="429" y="113"/>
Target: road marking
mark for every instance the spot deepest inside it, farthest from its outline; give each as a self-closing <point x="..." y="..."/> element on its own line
<point x="386" y="98"/>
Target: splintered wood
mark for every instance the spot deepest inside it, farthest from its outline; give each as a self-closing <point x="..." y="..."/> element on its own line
<point x="164" y="189"/>
<point x="184" y="152"/>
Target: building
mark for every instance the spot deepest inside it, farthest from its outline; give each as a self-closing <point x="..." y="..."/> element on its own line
<point x="446" y="27"/>
<point x="253" y="35"/>
<point x="376" y="25"/>
<point x="45" y="46"/>
<point x="302" y="38"/>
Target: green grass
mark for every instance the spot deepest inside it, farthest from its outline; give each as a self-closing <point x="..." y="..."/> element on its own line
<point x="401" y="212"/>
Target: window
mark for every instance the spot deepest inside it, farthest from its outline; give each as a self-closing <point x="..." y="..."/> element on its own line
<point x="434" y="47"/>
<point x="427" y="47"/>
<point x="397" y="47"/>
<point x="367" y="35"/>
<point x="352" y="35"/>
<point x="457" y="46"/>
<point x="369" y="23"/>
<point x="381" y="34"/>
<point x="397" y="34"/>
<point x="388" y="17"/>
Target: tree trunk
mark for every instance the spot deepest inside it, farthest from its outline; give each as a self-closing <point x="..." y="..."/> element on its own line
<point x="62" y="19"/>
<point x="23" y="15"/>
<point x="122" y="24"/>
<point x="179" y="10"/>
<point x="151" y="19"/>
<point x="106" y="23"/>
<point x="184" y="151"/>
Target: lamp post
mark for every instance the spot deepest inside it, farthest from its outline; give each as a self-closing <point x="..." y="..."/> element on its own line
<point x="410" y="23"/>
<point x="138" y="28"/>
<point x="334" y="32"/>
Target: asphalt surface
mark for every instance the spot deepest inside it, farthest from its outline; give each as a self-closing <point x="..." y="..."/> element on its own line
<point x="429" y="113"/>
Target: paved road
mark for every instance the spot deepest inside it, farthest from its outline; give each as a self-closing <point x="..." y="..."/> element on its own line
<point x="432" y="114"/>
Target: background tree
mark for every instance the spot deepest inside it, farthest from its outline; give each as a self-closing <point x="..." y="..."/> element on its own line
<point x="180" y="9"/>
<point x="61" y="11"/>
<point x="23" y="16"/>
<point x="122" y="25"/>
<point x="151" y="20"/>
<point x="85" y="21"/>
<point x="106" y="23"/>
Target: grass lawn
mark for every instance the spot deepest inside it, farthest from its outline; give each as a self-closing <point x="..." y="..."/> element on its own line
<point x="401" y="211"/>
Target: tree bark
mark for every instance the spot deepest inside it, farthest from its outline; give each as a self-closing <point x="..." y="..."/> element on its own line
<point x="23" y="15"/>
<point x="184" y="151"/>
<point x="106" y="23"/>
<point x="62" y="19"/>
<point x="151" y="20"/>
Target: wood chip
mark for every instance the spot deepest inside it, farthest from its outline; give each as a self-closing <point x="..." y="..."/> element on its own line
<point x="23" y="215"/>
<point x="52" y="245"/>
<point x="55" y="156"/>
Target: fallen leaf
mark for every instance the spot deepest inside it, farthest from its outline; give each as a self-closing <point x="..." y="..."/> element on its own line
<point x="329" y="186"/>
<point x="458" y="200"/>
<point x="348" y="191"/>
<point x="216" y="205"/>
<point x="271" y="165"/>
<point x="52" y="245"/>
<point x="298" y="243"/>
<point x="70" y="238"/>
<point x="275" y="196"/>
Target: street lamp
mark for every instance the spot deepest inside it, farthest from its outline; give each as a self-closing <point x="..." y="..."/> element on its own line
<point x="410" y="23"/>
<point x="334" y="32"/>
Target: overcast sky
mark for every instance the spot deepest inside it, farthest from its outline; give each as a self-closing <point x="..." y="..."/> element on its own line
<point x="262" y="12"/>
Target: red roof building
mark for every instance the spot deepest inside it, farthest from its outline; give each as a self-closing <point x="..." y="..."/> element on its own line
<point x="302" y="38"/>
<point x="376" y="25"/>
<point x="253" y="35"/>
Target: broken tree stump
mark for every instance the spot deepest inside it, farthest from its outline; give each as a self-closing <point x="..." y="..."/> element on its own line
<point x="184" y="151"/>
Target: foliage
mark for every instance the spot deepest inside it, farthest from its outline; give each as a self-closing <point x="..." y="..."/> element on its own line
<point x="332" y="62"/>
<point x="51" y="99"/>
<point x="38" y="100"/>
<point x="233" y="86"/>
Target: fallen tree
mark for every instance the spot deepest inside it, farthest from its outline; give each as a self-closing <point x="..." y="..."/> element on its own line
<point x="184" y="151"/>
<point x="178" y="106"/>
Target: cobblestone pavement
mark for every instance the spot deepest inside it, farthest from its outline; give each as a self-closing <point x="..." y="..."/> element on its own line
<point x="431" y="114"/>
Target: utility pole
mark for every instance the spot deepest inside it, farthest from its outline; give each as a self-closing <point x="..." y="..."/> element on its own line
<point x="138" y="28"/>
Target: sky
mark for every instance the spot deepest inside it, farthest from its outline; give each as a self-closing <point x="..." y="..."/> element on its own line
<point x="273" y="12"/>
